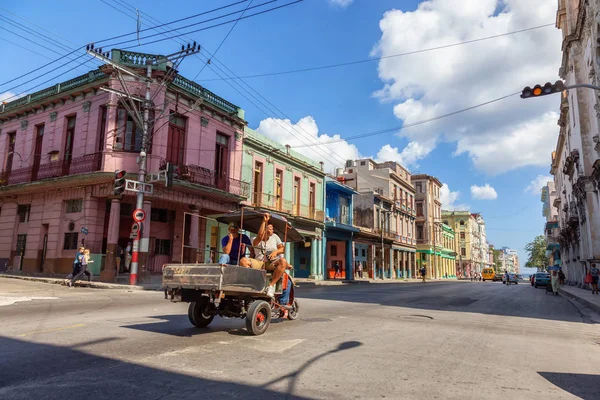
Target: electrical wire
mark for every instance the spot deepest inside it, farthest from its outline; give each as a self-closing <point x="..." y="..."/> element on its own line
<point x="307" y="69"/>
<point x="224" y="39"/>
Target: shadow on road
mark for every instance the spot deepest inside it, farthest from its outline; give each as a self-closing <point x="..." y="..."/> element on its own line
<point x="584" y="386"/>
<point x="36" y="371"/>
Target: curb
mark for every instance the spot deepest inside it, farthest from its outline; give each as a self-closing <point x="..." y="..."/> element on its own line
<point x="581" y="300"/>
<point x="93" y="285"/>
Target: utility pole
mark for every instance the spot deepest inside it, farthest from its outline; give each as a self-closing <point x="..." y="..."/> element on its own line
<point x="140" y="186"/>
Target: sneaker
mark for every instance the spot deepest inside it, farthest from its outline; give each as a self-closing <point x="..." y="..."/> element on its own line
<point x="270" y="291"/>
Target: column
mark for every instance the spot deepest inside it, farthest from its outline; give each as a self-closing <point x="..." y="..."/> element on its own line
<point x="403" y="264"/>
<point x="110" y="267"/>
<point x="391" y="263"/>
<point x="370" y="259"/>
<point x="321" y="247"/>
<point x="349" y="261"/>
<point x="194" y="251"/>
<point x="314" y="255"/>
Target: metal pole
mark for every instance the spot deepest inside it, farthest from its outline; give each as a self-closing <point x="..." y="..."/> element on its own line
<point x="381" y="267"/>
<point x="141" y="176"/>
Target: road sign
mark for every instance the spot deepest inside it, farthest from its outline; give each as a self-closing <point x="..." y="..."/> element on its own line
<point x="139" y="215"/>
<point x="84" y="230"/>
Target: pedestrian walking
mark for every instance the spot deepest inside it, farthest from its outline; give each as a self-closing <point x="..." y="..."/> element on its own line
<point x="83" y="270"/>
<point x="423" y="273"/>
<point x="554" y="280"/>
<point x="127" y="257"/>
<point x="76" y="266"/>
<point x="595" y="272"/>
<point x="561" y="277"/>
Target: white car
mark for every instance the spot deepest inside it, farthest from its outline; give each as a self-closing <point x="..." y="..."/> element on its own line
<point x="512" y="278"/>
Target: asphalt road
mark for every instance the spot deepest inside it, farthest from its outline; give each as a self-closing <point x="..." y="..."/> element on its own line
<point x="453" y="340"/>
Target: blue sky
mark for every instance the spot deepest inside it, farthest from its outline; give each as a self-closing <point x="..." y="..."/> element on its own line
<point x="506" y="145"/>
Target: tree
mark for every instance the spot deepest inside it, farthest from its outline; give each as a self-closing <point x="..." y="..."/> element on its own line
<point x="537" y="253"/>
<point x="498" y="260"/>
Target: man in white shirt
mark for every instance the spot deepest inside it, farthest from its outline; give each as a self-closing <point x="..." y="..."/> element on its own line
<point x="269" y="250"/>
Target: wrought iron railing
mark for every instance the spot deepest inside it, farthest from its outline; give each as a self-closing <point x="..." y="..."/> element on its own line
<point x="204" y="93"/>
<point x="205" y="177"/>
<point x="53" y="90"/>
<point x="53" y="169"/>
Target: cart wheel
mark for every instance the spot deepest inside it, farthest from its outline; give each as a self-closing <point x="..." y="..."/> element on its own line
<point x="197" y="313"/>
<point x="258" y="318"/>
<point x="293" y="313"/>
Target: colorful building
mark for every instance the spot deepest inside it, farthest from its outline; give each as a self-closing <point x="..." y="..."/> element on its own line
<point x="384" y="212"/>
<point x="551" y="226"/>
<point x="463" y="224"/>
<point x="428" y="224"/>
<point x="448" y="253"/>
<point x="339" y="232"/>
<point x="60" y="147"/>
<point x="286" y="182"/>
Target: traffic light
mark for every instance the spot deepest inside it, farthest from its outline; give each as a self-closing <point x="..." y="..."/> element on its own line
<point x="539" y="90"/>
<point x="119" y="186"/>
<point x="170" y="170"/>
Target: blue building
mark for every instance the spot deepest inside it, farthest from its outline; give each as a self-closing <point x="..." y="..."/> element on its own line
<point x="339" y="232"/>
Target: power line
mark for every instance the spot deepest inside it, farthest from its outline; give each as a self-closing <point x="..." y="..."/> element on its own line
<point x="199" y="30"/>
<point x="383" y="57"/>
<point x="224" y="39"/>
<point x="402" y="127"/>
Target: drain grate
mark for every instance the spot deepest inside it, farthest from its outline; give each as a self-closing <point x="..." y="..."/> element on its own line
<point x="315" y="319"/>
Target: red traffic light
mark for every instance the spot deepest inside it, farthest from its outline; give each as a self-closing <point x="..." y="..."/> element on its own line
<point x="120" y="174"/>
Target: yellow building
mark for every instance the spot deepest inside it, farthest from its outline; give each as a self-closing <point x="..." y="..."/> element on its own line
<point x="466" y="240"/>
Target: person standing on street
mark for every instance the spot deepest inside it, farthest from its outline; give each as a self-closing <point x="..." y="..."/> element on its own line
<point x="76" y="266"/>
<point x="423" y="273"/>
<point x="554" y="280"/>
<point x="127" y="257"/>
<point x="595" y="272"/>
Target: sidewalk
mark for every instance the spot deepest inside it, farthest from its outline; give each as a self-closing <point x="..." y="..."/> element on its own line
<point x="95" y="285"/>
<point x="338" y="282"/>
<point x="581" y="295"/>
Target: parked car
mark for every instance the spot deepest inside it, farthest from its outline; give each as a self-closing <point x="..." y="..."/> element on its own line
<point x="512" y="278"/>
<point x="498" y="277"/>
<point x="541" y="279"/>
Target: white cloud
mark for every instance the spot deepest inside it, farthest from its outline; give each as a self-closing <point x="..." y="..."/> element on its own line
<point x="408" y="157"/>
<point x="341" y="3"/>
<point x="536" y="185"/>
<point x="485" y="192"/>
<point x="8" y="96"/>
<point x="429" y="84"/>
<point x="448" y="199"/>
<point x="304" y="132"/>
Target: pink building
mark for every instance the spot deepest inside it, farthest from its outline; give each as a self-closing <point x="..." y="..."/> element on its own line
<point x="60" y="147"/>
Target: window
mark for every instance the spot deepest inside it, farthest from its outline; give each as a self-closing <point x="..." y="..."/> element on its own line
<point x="74" y="206"/>
<point x="463" y="251"/>
<point x="355" y="252"/>
<point x="11" y="151"/>
<point x="334" y="250"/>
<point x="162" y="247"/>
<point x="419" y="209"/>
<point x="462" y="223"/>
<point x="159" y="215"/>
<point x="363" y="163"/>
<point x="23" y="212"/>
<point x="364" y="253"/>
<point x="446" y="222"/>
<point x="21" y="242"/>
<point x="258" y="182"/>
<point x="129" y="132"/>
<point x="419" y="232"/>
<point x="419" y="187"/>
<point x="70" y="242"/>
<point x="312" y="200"/>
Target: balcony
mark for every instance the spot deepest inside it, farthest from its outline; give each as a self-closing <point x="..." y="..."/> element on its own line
<point x="206" y="177"/>
<point x="272" y="202"/>
<point x="338" y="219"/>
<point x="54" y="169"/>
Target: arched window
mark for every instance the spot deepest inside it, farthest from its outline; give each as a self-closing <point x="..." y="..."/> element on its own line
<point x="462" y="223"/>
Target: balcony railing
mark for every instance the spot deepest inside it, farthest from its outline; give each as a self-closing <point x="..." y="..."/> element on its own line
<point x="206" y="177"/>
<point x="53" y="169"/>
<point x="272" y="202"/>
<point x="205" y="94"/>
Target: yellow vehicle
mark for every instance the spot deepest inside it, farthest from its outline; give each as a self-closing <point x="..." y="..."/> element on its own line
<point x="488" y="274"/>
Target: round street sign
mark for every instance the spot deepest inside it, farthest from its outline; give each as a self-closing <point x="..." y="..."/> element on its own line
<point x="139" y="215"/>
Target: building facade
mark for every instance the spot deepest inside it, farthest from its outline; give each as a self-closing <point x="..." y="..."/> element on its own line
<point x="551" y="227"/>
<point x="384" y="211"/>
<point x="448" y="252"/>
<point x="464" y="225"/>
<point x="510" y="260"/>
<point x="428" y="225"/>
<point x="576" y="159"/>
<point x="292" y="185"/>
<point x="61" y="146"/>
<point x="339" y="231"/>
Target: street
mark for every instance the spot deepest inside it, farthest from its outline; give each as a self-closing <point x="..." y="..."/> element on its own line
<point x="457" y="340"/>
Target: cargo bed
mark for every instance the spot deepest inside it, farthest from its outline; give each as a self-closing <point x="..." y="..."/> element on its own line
<point x="214" y="277"/>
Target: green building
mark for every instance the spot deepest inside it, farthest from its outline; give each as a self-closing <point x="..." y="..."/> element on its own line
<point x="287" y="183"/>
